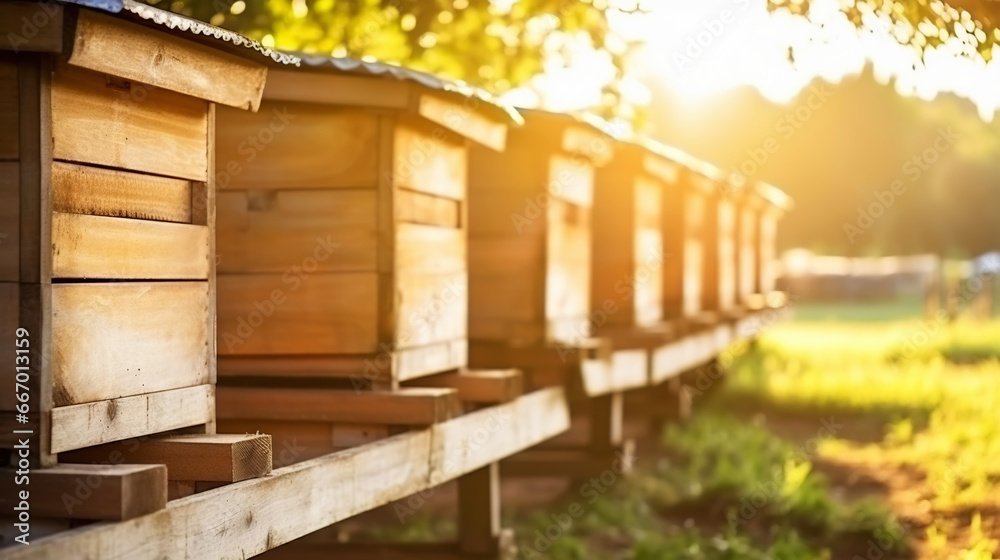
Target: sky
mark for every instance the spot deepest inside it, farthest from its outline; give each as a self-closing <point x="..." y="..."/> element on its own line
<point x="702" y="49"/>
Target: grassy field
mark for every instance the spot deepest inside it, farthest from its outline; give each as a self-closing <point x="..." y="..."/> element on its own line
<point x="831" y="439"/>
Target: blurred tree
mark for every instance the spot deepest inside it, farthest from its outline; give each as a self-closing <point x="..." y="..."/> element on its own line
<point x="495" y="44"/>
<point x="968" y="27"/>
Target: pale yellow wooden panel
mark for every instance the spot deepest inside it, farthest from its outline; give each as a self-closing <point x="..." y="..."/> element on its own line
<point x="429" y="160"/>
<point x="648" y="276"/>
<point x="115" y="340"/>
<point x="571" y="179"/>
<point x="419" y="208"/>
<point x="431" y="307"/>
<point x="314" y="230"/>
<point x="85" y="425"/>
<point x="106" y="44"/>
<point x="82" y="189"/>
<point x="567" y="281"/>
<point x="96" y="119"/>
<point x="430" y="249"/>
<point x="119" y="248"/>
<point x="322" y="313"/>
<point x="296" y="146"/>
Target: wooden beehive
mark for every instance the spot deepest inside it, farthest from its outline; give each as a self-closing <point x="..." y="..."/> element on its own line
<point x="719" y="295"/>
<point x="107" y="206"/>
<point x="773" y="204"/>
<point x="342" y="225"/>
<point x="530" y="258"/>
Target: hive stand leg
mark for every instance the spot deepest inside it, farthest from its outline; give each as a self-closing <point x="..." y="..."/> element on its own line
<point x="668" y="403"/>
<point x="479" y="532"/>
<point x="608" y="447"/>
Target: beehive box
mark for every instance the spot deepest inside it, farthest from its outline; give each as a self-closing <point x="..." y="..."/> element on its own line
<point x="342" y="224"/>
<point x="342" y="255"/>
<point x="530" y="237"/>
<point x="107" y="205"/>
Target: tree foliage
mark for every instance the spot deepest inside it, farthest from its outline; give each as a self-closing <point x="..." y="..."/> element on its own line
<point x="968" y="27"/>
<point x="497" y="44"/>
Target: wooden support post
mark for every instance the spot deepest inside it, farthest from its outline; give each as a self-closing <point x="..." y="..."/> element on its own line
<point x="479" y="512"/>
<point x="606" y="422"/>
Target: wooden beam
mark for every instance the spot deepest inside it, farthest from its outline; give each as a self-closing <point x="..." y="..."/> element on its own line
<point x="410" y="406"/>
<point x="479" y="385"/>
<point x="464" y="119"/>
<point x="84" y="425"/>
<point x="82" y="189"/>
<point x="296" y="500"/>
<point x="120" y="48"/>
<point x="102" y="492"/>
<point x="336" y="89"/>
<point x="190" y="457"/>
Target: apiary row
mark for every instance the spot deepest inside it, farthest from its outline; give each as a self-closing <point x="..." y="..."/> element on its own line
<point x="217" y="260"/>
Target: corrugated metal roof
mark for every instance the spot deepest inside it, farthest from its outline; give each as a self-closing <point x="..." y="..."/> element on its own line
<point x="177" y="22"/>
<point x="430" y="81"/>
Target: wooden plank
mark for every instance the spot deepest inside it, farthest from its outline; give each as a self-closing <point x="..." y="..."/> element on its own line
<point x="35" y="311"/>
<point x="10" y="321"/>
<point x="478" y="385"/>
<point x="81" y="189"/>
<point x="571" y="179"/>
<point x="86" y="246"/>
<point x="296" y="500"/>
<point x="648" y="276"/>
<point x="84" y="425"/>
<point x="322" y="313"/>
<point x="479" y="511"/>
<point x="128" y="50"/>
<point x="428" y="159"/>
<point x="336" y="89"/>
<point x="418" y="361"/>
<point x="10" y="235"/>
<point x="411" y="406"/>
<point x="464" y="119"/>
<point x="9" y="109"/>
<point x="31" y="27"/>
<point x="419" y="208"/>
<point x="431" y="308"/>
<point x="422" y="249"/>
<point x="189" y="457"/>
<point x="567" y="273"/>
<point x="116" y="340"/>
<point x="296" y="146"/>
<point x="101" y="492"/>
<point x="313" y="230"/>
<point x="98" y="120"/>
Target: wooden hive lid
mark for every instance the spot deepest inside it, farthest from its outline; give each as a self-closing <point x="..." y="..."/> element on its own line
<point x="582" y="134"/>
<point x="466" y="110"/>
<point x="140" y="43"/>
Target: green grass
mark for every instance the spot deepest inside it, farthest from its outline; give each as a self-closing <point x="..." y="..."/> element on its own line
<point x="774" y="464"/>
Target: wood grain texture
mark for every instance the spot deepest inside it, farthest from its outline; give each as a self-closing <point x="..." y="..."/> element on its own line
<point x="9" y="149"/>
<point x="120" y="248"/>
<point x="336" y="89"/>
<point x="116" y="340"/>
<point x="302" y="498"/>
<point x="464" y="119"/>
<point x="98" y="492"/>
<point x="424" y="249"/>
<point x="411" y="406"/>
<point x="85" y="425"/>
<point x="189" y="457"/>
<point x="98" y="120"/>
<point x="318" y="230"/>
<point x="10" y="234"/>
<point x="120" y="48"/>
<point x="479" y="385"/>
<point x="430" y="308"/>
<point x="419" y="208"/>
<point x="322" y="313"/>
<point x="296" y="146"/>
<point x="81" y="189"/>
<point x="429" y="159"/>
